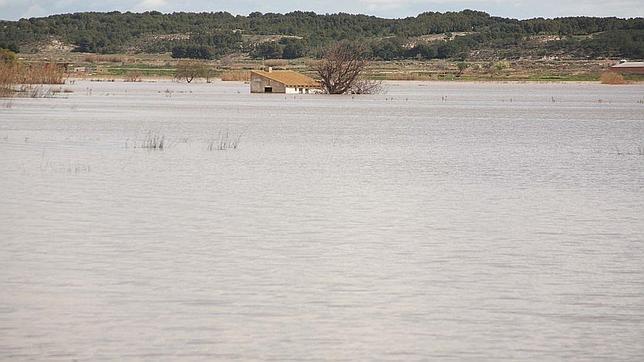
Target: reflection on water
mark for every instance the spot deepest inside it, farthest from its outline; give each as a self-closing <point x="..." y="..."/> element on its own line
<point x="439" y="220"/>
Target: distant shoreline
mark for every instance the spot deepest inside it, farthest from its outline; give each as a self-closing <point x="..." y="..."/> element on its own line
<point x="162" y="66"/>
<point x="162" y="79"/>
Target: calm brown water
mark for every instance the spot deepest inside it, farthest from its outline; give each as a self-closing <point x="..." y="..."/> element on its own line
<point x="442" y="221"/>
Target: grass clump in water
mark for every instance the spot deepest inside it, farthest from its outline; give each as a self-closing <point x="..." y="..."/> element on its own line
<point x="154" y="141"/>
<point x="37" y="91"/>
<point x="224" y="142"/>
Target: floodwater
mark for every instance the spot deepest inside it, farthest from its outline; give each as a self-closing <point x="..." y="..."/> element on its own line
<point x="442" y="221"/>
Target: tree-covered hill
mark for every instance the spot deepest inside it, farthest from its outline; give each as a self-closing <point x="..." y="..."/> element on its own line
<point x="463" y="34"/>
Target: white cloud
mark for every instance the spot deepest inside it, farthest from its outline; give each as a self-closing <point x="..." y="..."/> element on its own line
<point x="152" y="4"/>
<point x="35" y="10"/>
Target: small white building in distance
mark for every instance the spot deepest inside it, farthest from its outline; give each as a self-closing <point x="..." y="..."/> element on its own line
<point x="625" y="66"/>
<point x="282" y="81"/>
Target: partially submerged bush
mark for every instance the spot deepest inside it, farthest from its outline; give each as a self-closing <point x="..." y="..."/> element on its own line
<point x="37" y="91"/>
<point x="41" y="73"/>
<point x="224" y="142"/>
<point x="612" y="78"/>
<point x="8" y="76"/>
<point x="133" y="76"/>
<point x="188" y="70"/>
<point x="366" y="86"/>
<point x="153" y="141"/>
<point x="13" y="74"/>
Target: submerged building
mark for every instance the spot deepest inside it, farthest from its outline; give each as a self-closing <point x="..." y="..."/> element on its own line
<point x="282" y="81"/>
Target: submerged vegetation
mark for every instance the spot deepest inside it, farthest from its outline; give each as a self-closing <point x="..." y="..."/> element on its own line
<point x="224" y="141"/>
<point x="156" y="141"/>
<point x="612" y="78"/>
<point x="638" y="152"/>
<point x="14" y="73"/>
<point x="133" y="76"/>
<point x="189" y="70"/>
<point x="342" y="70"/>
<point x="153" y="141"/>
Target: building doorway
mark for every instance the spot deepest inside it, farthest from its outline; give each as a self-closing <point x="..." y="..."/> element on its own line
<point x="268" y="89"/>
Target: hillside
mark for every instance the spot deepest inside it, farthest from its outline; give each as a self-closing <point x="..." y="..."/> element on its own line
<point x="465" y="35"/>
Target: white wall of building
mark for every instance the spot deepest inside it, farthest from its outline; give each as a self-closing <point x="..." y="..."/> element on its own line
<point x="295" y="90"/>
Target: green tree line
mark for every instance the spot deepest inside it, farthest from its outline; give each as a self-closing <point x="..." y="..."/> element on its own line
<point x="212" y="35"/>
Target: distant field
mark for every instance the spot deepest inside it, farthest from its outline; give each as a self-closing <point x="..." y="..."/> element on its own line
<point x="163" y="66"/>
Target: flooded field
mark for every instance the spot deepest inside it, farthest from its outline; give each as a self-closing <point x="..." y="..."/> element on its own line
<point x="445" y="221"/>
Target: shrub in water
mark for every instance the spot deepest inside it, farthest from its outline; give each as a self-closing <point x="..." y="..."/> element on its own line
<point x="612" y="78"/>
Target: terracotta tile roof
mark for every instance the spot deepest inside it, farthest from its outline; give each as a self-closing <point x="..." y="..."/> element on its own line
<point x="288" y="77"/>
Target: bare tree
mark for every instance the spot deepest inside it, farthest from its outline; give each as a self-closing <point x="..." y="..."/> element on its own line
<point x="366" y="86"/>
<point x="208" y="73"/>
<point x="189" y="70"/>
<point x="462" y="66"/>
<point x="341" y="70"/>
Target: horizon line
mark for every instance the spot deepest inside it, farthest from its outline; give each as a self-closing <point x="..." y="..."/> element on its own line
<point x="316" y="13"/>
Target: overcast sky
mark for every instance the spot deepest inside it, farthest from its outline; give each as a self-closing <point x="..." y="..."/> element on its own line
<point x="15" y="9"/>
